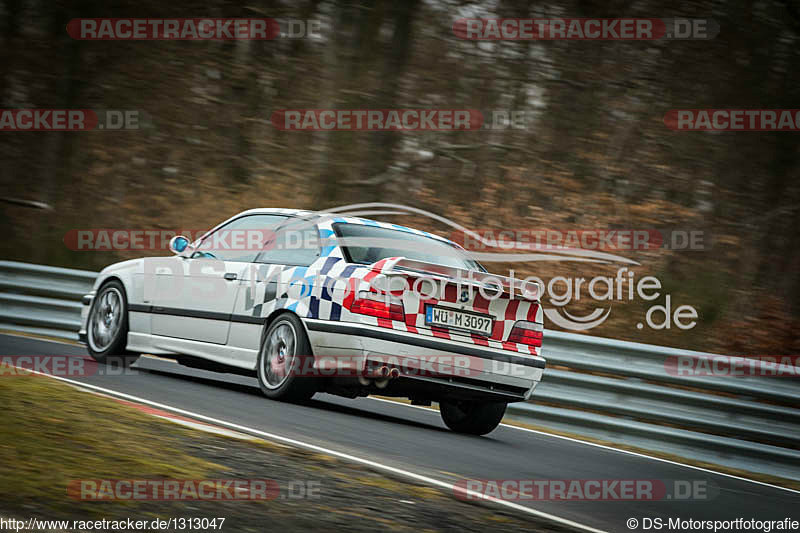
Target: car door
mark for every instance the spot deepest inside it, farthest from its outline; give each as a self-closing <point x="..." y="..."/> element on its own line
<point x="279" y="270"/>
<point x="195" y="297"/>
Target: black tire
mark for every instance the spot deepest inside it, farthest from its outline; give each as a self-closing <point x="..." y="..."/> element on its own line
<point x="296" y="384"/>
<point x="110" y="350"/>
<point x="472" y="418"/>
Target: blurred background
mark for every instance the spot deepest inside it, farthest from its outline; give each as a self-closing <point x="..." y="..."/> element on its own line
<point x="594" y="153"/>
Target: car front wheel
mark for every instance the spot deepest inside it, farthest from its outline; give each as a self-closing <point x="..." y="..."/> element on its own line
<point x="107" y="326"/>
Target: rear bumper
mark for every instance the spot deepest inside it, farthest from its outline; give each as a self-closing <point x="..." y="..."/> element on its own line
<point x="504" y="375"/>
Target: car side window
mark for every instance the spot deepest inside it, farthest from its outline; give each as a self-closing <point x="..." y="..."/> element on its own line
<point x="295" y="244"/>
<point x="239" y="240"/>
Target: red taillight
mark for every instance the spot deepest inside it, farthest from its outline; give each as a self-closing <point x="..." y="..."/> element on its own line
<point x="529" y="333"/>
<point x="374" y="304"/>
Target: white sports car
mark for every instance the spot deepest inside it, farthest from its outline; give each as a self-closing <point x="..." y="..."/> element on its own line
<point x="310" y="302"/>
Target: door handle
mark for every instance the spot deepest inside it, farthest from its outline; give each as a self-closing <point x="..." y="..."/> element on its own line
<point x="230" y="276"/>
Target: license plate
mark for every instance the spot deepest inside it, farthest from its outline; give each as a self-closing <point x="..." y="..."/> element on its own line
<point x="451" y="318"/>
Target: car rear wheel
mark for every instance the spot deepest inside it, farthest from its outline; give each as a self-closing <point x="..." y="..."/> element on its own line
<point x="107" y="326"/>
<point x="473" y="418"/>
<point x="284" y="361"/>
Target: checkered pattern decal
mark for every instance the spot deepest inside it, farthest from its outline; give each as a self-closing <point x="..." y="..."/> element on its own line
<point x="327" y="288"/>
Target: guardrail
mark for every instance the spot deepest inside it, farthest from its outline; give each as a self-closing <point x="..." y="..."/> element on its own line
<point x="42" y="299"/>
<point x="603" y="389"/>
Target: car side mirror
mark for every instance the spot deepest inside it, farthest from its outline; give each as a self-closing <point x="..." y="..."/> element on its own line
<point x="178" y="244"/>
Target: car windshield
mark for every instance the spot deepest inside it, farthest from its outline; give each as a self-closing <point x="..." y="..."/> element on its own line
<point x="367" y="244"/>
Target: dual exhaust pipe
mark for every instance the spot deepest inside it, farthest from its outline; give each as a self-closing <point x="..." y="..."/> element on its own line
<point x="381" y="378"/>
<point x="386" y="372"/>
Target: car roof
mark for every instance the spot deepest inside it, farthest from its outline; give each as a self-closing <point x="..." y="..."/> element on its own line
<point x="342" y="219"/>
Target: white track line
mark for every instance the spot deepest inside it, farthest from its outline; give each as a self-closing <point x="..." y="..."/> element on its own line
<point x="352" y="458"/>
<point x="607" y="447"/>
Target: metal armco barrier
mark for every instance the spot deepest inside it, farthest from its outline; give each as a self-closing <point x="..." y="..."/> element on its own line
<point x="614" y="391"/>
<point x="42" y="299"/>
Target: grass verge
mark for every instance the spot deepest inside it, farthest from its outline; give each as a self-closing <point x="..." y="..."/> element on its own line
<point x="54" y="433"/>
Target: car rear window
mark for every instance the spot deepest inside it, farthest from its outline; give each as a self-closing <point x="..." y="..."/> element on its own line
<point x="367" y="244"/>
